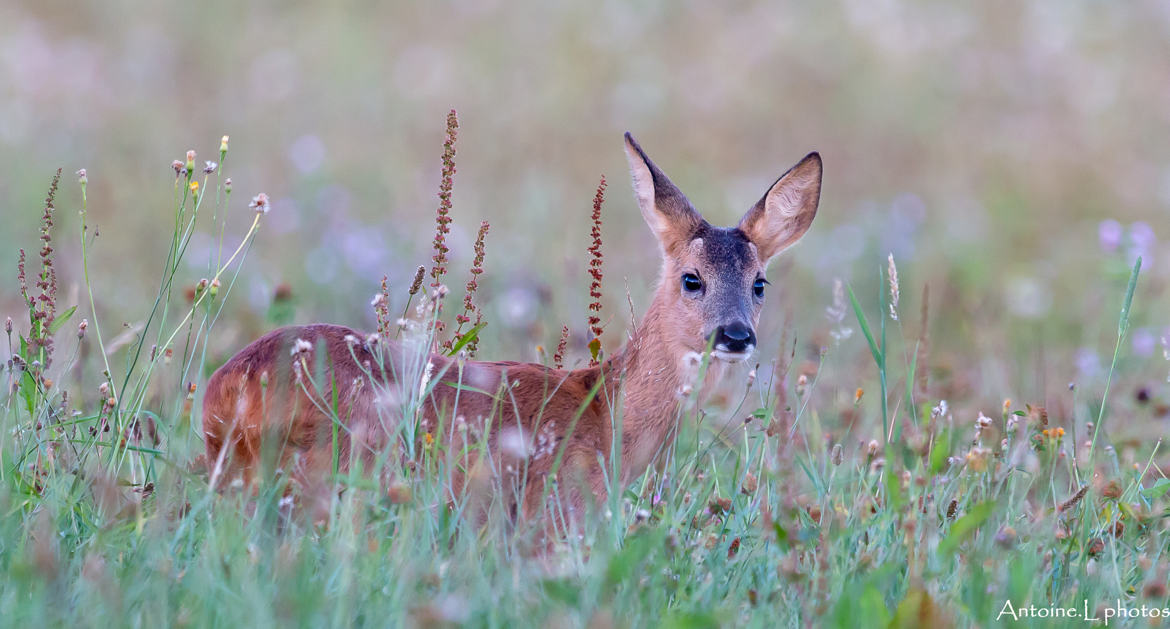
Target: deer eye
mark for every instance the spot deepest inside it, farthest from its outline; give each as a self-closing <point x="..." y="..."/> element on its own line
<point x="758" y="287"/>
<point x="691" y="283"/>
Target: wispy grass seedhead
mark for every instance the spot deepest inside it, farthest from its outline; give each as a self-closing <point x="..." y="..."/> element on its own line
<point x="894" y="291"/>
<point x="416" y="283"/>
<point x="381" y="304"/>
<point x="1068" y="505"/>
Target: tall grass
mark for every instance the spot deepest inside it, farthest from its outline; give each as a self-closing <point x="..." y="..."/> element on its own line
<point x="758" y="517"/>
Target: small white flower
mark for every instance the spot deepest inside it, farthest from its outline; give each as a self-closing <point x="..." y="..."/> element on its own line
<point x="260" y="203"/>
<point x="301" y="346"/>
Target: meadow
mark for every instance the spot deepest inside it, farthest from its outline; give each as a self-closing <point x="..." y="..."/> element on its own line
<point x="957" y="406"/>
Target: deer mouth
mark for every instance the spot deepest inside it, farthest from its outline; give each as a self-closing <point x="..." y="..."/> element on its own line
<point x="732" y="357"/>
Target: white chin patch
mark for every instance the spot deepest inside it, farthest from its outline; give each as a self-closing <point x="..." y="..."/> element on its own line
<point x="732" y="357"/>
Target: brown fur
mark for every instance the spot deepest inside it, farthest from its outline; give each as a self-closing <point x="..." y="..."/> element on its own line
<point x="272" y="395"/>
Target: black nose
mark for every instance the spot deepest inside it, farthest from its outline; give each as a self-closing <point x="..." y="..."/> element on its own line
<point x="735" y="338"/>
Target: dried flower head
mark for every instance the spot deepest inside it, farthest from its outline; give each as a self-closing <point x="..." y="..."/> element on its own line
<point x="1006" y="537"/>
<point x="82" y="177"/>
<point x="750" y="484"/>
<point x="399" y="492"/>
<point x="209" y="167"/>
<point x="1095" y="547"/>
<point x="801" y="385"/>
<point x="1112" y="490"/>
<point x="177" y="166"/>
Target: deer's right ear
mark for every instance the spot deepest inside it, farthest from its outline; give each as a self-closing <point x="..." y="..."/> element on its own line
<point x="779" y="219"/>
<point x="664" y="207"/>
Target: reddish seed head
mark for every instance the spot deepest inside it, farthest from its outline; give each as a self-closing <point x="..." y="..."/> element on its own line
<point x="442" y="218"/>
<point x="1112" y="490"/>
<point x="559" y="356"/>
<point x="469" y="306"/>
<point x="595" y="271"/>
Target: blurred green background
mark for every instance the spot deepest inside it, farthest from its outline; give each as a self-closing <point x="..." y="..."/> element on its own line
<point x="1012" y="155"/>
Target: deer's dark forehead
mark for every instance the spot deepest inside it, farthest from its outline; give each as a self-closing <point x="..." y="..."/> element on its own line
<point x="725" y="248"/>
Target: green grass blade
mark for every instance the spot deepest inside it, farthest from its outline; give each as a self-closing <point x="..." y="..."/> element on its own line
<point x="864" y="323"/>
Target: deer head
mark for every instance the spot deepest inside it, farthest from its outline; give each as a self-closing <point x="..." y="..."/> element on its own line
<point x="713" y="278"/>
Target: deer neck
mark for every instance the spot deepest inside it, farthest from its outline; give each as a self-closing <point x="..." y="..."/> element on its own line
<point x="657" y="376"/>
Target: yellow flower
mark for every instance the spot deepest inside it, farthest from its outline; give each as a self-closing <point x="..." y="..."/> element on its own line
<point x="430" y="440"/>
<point x="194" y="187"/>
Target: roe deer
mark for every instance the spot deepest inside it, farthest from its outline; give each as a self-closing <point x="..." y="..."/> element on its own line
<point x="533" y="422"/>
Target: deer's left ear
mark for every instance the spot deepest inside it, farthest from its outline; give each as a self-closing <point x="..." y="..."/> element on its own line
<point x="784" y="214"/>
